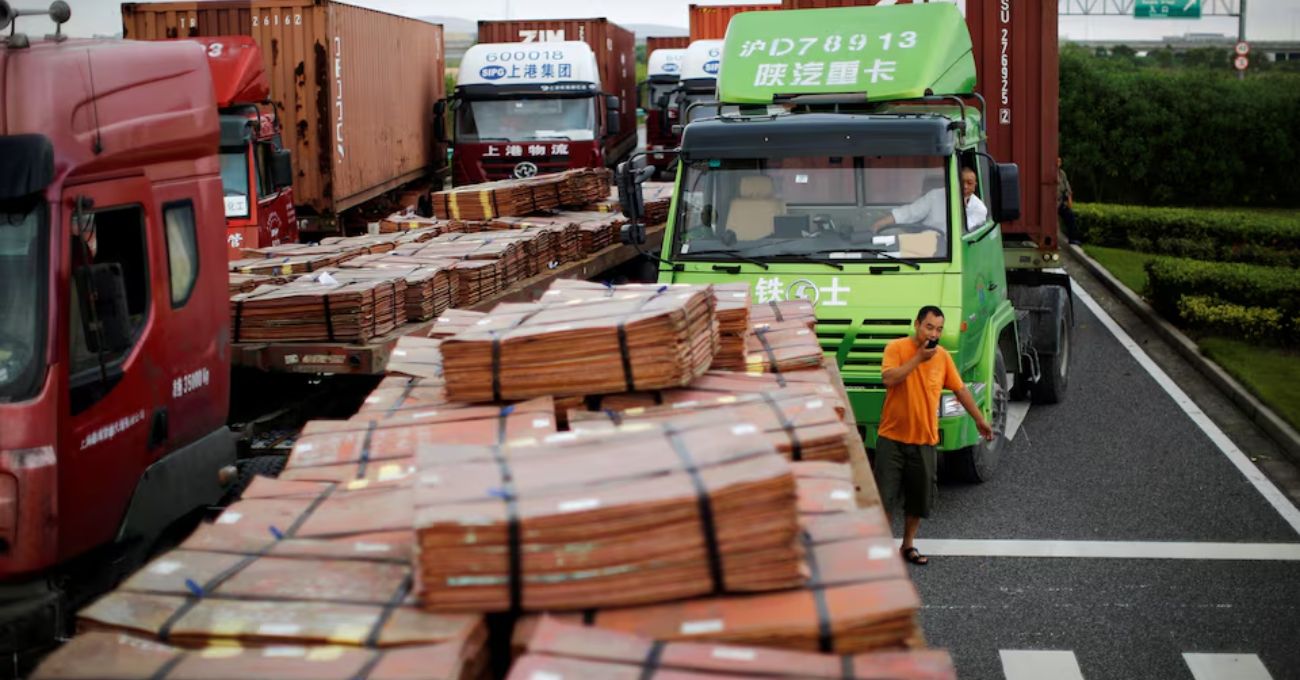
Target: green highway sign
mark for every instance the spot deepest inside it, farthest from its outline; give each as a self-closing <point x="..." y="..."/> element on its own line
<point x="1167" y="9"/>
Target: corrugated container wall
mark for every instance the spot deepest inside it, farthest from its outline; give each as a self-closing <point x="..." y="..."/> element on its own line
<point x="1018" y="77"/>
<point x="354" y="87"/>
<point x="709" y="22"/>
<point x="653" y="43"/>
<point x="615" y="49"/>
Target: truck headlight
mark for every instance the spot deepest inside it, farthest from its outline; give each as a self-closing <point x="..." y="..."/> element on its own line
<point x="949" y="406"/>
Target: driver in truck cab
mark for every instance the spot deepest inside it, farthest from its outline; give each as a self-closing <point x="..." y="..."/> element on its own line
<point x="930" y="210"/>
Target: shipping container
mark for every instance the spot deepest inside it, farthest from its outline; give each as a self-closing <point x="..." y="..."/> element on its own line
<point x="354" y="87"/>
<point x="615" y="49"/>
<point x="676" y="42"/>
<point x="1016" y="57"/>
<point x="709" y="22"/>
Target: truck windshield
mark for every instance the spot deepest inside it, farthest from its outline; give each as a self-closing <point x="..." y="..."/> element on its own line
<point x="815" y="206"/>
<point x="24" y="240"/>
<point x="690" y="113"/>
<point x="660" y="93"/>
<point x="514" y="120"/>
<point x="234" y="181"/>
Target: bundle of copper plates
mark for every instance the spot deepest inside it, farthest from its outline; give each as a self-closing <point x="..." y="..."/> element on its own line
<point x="413" y="357"/>
<point x="399" y="393"/>
<point x="560" y="650"/>
<point x="95" y="656"/>
<point x="800" y="425"/>
<point x="574" y="522"/>
<point x="657" y="197"/>
<point x="521" y="196"/>
<point x="288" y="265"/>
<point x="368" y="244"/>
<point x="400" y="221"/>
<point x="597" y="230"/>
<point x="768" y="314"/>
<point x="722" y="388"/>
<point x="568" y="242"/>
<point x="320" y="308"/>
<point x="776" y="348"/>
<point x="349" y="449"/>
<point x="623" y="341"/>
<point x="455" y="321"/>
<point x="246" y="283"/>
<point x="429" y="287"/>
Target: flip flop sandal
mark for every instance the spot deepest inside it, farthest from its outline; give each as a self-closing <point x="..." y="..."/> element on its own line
<point x="914" y="556"/>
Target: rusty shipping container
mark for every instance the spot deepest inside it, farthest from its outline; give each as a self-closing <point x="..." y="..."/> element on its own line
<point x="355" y="88"/>
<point x="615" y="49"/>
<point x="709" y="22"/>
<point x="676" y="42"/>
<point x="1016" y="57"/>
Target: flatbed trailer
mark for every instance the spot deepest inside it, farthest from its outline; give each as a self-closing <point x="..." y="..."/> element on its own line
<point x="371" y="358"/>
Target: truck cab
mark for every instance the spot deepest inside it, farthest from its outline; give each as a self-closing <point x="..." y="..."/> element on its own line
<point x="663" y="71"/>
<point x="114" y="327"/>
<point x="834" y="173"/>
<point x="523" y="109"/>
<point x="256" y="171"/>
<point x="698" y="84"/>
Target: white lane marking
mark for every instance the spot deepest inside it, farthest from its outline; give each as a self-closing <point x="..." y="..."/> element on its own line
<point x="1143" y="550"/>
<point x="1016" y="413"/>
<point x="1262" y="484"/>
<point x="1226" y="667"/>
<point x="1035" y="664"/>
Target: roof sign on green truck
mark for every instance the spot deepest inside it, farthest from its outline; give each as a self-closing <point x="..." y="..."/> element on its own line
<point x="890" y="52"/>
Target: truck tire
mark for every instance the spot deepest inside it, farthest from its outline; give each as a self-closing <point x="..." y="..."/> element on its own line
<point x="976" y="464"/>
<point x="1054" y="377"/>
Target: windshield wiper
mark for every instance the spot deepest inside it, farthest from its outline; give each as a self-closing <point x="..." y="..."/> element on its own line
<point x="732" y="254"/>
<point x="808" y="257"/>
<point x="873" y="251"/>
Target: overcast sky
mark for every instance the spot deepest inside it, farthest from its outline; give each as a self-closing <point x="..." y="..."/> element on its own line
<point x="1267" y="19"/>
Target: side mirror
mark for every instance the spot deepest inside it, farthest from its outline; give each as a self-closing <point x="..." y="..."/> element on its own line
<point x="629" y="180"/>
<point x="1006" y="192"/>
<point x="612" y="123"/>
<point x="282" y="168"/>
<point x="612" y="103"/>
<point x="439" y="120"/>
<point x="108" y="330"/>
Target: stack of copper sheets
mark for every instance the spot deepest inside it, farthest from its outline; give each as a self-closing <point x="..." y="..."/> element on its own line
<point x="778" y="348"/>
<point x="521" y="196"/>
<point x="380" y="445"/>
<point x="621" y="342"/>
<point x="95" y="656"/>
<point x="800" y="425"/>
<point x="399" y="393"/>
<point x="368" y="244"/>
<point x="597" y="231"/>
<point x="400" y="221"/>
<point x="722" y="388"/>
<point x="320" y="308"/>
<point x="561" y="650"/>
<point x="247" y="283"/>
<point x="288" y="265"/>
<point x="568" y="242"/>
<point x="429" y="287"/>
<point x="673" y="516"/>
<point x="657" y="198"/>
<point x="415" y="357"/>
<point x="455" y="321"/>
<point x="770" y="314"/>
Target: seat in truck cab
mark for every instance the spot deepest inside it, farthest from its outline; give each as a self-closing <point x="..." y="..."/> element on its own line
<point x="752" y="214"/>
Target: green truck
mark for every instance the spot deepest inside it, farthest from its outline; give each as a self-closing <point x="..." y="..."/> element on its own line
<point x="834" y="173"/>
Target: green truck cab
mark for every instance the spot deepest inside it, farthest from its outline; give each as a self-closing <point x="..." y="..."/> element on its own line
<point x="833" y="173"/>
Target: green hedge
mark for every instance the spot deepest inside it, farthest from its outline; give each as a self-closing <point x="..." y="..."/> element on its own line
<point x="1223" y="235"/>
<point x="1236" y="321"/>
<point x="1171" y="280"/>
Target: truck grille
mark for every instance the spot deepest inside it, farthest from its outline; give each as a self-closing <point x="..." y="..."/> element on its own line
<point x="505" y="169"/>
<point x="862" y="358"/>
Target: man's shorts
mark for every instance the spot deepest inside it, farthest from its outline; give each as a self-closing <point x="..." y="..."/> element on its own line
<point x="909" y="469"/>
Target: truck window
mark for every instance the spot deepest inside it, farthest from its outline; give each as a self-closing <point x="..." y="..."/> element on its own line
<point x="24" y="235"/>
<point x="799" y="206"/>
<point x="234" y="181"/>
<point x="182" y="250"/>
<point x="117" y="235"/>
<point x="265" y="187"/>
<point x="500" y="120"/>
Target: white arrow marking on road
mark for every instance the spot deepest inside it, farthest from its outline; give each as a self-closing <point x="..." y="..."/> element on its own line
<point x="1144" y="550"/>
<point x="1036" y="664"/>
<point x="1253" y="474"/>
<point x="1226" y="667"/>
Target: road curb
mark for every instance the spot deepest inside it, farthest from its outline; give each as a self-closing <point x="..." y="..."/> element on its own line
<point x="1273" y="425"/>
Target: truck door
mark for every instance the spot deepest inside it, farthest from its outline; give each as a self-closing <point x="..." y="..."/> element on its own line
<point x="983" y="269"/>
<point x="277" y="222"/>
<point x="116" y="406"/>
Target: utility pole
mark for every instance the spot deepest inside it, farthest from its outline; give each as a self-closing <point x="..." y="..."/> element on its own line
<point x="1241" y="32"/>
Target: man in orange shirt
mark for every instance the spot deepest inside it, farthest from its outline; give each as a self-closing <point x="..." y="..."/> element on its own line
<point x="915" y="371"/>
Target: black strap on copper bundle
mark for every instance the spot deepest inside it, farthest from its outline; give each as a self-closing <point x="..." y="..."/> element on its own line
<point x="496" y="366"/>
<point x="406" y="394"/>
<point x="329" y="317"/>
<point x="503" y="422"/>
<point x="239" y="318"/>
<point x="198" y="592"/>
<point x="365" y="449"/>
<point x="771" y="356"/>
<point x="847" y="672"/>
<point x="623" y="350"/>
<point x="652" y="658"/>
<point x="776" y="310"/>
<point x="796" y="447"/>
<point x="825" y="632"/>
<point x="399" y="596"/>
<point x="513" y="530"/>
<point x="368" y="667"/>
<point x="589" y="617"/>
<point x="170" y="665"/>
<point x="705" y="507"/>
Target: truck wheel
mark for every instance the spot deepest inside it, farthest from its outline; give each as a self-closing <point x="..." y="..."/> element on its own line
<point x="975" y="464"/>
<point x="1055" y="368"/>
<point x="267" y="466"/>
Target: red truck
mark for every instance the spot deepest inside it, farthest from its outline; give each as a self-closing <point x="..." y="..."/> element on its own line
<point x="114" y="359"/>
<point x="536" y="97"/>
<point x="256" y="170"/>
<point x="663" y="71"/>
